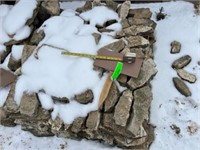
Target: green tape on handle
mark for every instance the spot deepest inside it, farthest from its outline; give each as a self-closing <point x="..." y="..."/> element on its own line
<point x="117" y="71"/>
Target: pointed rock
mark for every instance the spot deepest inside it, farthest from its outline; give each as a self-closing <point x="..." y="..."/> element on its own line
<point x="124" y="9"/>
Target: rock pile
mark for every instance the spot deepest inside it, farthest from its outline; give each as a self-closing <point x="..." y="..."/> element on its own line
<point x="123" y="120"/>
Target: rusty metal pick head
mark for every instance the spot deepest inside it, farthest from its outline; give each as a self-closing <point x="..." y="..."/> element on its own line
<point x="6" y="77"/>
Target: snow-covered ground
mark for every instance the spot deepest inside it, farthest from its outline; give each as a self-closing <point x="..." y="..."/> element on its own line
<point x="168" y="108"/>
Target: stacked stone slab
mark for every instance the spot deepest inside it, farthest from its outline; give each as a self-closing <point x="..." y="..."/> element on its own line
<point x="123" y="119"/>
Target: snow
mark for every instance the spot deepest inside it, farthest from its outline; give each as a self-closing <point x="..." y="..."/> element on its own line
<point x="64" y="76"/>
<point x="46" y="101"/>
<point x="3" y="95"/>
<point x="21" y="16"/>
<point x="22" y="33"/>
<point x="17" y="51"/>
<point x="95" y="19"/>
<point x="169" y="106"/>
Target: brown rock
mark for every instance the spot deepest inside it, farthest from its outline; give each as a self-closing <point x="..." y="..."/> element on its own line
<point x="36" y="37"/>
<point x="63" y="100"/>
<point x="52" y="7"/>
<point x="111" y="4"/>
<point x="138" y="30"/>
<point x="136" y="21"/>
<point x="142" y="101"/>
<point x="14" y="64"/>
<point x="93" y="120"/>
<point x="116" y="46"/>
<point x="112" y="98"/>
<point x="198" y="63"/>
<point x="96" y="3"/>
<point x="125" y="23"/>
<point x="85" y="97"/>
<point x="29" y="104"/>
<point x="27" y="51"/>
<point x="137" y="42"/>
<point x="181" y="62"/>
<point x="56" y="125"/>
<point x="86" y="7"/>
<point x="2" y="114"/>
<point x="176" y="129"/>
<point x="97" y="37"/>
<point x="5" y="53"/>
<point x="175" y="47"/>
<point x="122" y="109"/>
<point x="122" y="79"/>
<point x="181" y="87"/>
<point x="105" y="30"/>
<point x="186" y="76"/>
<point x="124" y="9"/>
<point x="147" y="71"/>
<point x="78" y="124"/>
<point x="140" y="13"/>
<point x="6" y="77"/>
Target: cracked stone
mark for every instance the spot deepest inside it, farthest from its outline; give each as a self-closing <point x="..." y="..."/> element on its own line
<point x="140" y="13"/>
<point x="29" y="104"/>
<point x="116" y="46"/>
<point x="181" y="87"/>
<point x="142" y="101"/>
<point x="85" y="97"/>
<point x="181" y="62"/>
<point x="137" y="42"/>
<point x="124" y="9"/>
<point x="112" y="98"/>
<point x="27" y="51"/>
<point x="175" y="47"/>
<point x="138" y="30"/>
<point x="147" y="71"/>
<point x="186" y="76"/>
<point x="93" y="120"/>
<point x="122" y="109"/>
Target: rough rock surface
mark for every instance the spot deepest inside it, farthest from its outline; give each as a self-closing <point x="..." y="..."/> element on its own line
<point x="186" y="76"/>
<point x="124" y="9"/>
<point x="175" y="47"/>
<point x="137" y="41"/>
<point x="116" y="46"/>
<point x="181" y="62"/>
<point x="181" y="87"/>
<point x="140" y="13"/>
<point x="85" y="97"/>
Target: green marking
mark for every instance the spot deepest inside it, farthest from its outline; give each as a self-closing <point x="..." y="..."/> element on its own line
<point x="117" y="71"/>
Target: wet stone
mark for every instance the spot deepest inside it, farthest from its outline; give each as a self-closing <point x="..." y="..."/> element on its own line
<point x="186" y="76"/>
<point x="175" y="47"/>
<point x="181" y="87"/>
<point x="29" y="104"/>
<point x="122" y="109"/>
<point x="85" y="97"/>
<point x="181" y="62"/>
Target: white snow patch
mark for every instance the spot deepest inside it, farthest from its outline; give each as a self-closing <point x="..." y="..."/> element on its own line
<point x="20" y="16"/>
<point x="73" y="5"/>
<point x="17" y="51"/>
<point x="22" y="33"/>
<point x="68" y="13"/>
<point x="3" y="95"/>
<point x="5" y="63"/>
<point x="99" y="15"/>
<point x="46" y="101"/>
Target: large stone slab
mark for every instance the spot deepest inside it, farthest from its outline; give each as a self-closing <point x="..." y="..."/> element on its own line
<point x="137" y="42"/>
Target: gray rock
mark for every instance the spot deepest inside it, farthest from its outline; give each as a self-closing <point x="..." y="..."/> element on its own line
<point x="138" y="51"/>
<point x="138" y="30"/>
<point x="186" y="76"/>
<point x="138" y="21"/>
<point x="142" y="101"/>
<point x="13" y="64"/>
<point x="63" y="100"/>
<point x="181" y="62"/>
<point x="137" y="42"/>
<point x="37" y="37"/>
<point x="112" y="98"/>
<point x="85" y="97"/>
<point x="111" y="4"/>
<point x="3" y="114"/>
<point x="87" y="6"/>
<point x="140" y="13"/>
<point x="116" y="46"/>
<point x="97" y="37"/>
<point x="93" y="120"/>
<point x="52" y="7"/>
<point x="29" y="104"/>
<point x="181" y="87"/>
<point x="147" y="71"/>
<point x="78" y="124"/>
<point x="27" y="51"/>
<point x="125" y="23"/>
<point x="122" y="109"/>
<point x="10" y="104"/>
<point x="176" y="129"/>
<point x="175" y="47"/>
<point x="56" y="125"/>
<point x="122" y="79"/>
<point x="124" y="9"/>
<point x="105" y="30"/>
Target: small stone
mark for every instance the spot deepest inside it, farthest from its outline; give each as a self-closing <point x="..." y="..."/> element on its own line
<point x="97" y="37"/>
<point x="112" y="98"/>
<point x="63" y="100"/>
<point x="140" y="13"/>
<point x="141" y="105"/>
<point x="52" y="7"/>
<point x="175" y="47"/>
<point x="29" y="104"/>
<point x="137" y="41"/>
<point x="78" y="124"/>
<point x="124" y="9"/>
<point x="36" y="37"/>
<point x="181" y="62"/>
<point x="85" y="97"/>
<point x="186" y="76"/>
<point x="147" y="71"/>
<point x="27" y="51"/>
<point x="14" y="64"/>
<point x="105" y="30"/>
<point x="122" y="109"/>
<point x="86" y="7"/>
<point x="175" y="128"/>
<point x="116" y="46"/>
<point x="138" y="30"/>
<point x="181" y="87"/>
<point x="109" y="22"/>
<point x="111" y="4"/>
<point x="192" y="127"/>
<point x="93" y="120"/>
